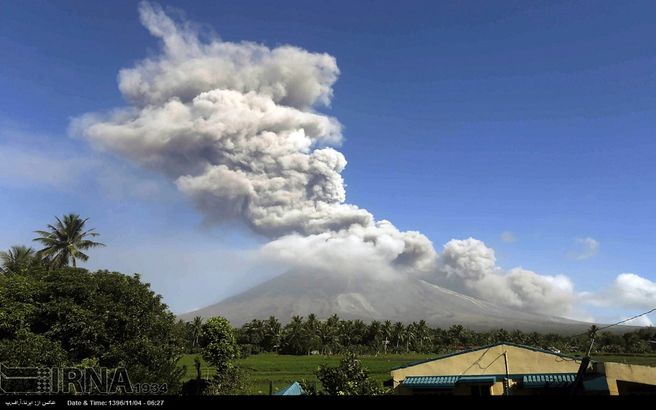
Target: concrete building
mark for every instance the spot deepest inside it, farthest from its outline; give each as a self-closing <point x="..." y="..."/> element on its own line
<point x="511" y="369"/>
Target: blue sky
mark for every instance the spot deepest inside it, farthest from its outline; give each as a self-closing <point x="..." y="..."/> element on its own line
<point x="461" y="119"/>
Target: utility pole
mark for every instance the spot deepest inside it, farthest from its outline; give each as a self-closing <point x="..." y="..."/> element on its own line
<point x="585" y="361"/>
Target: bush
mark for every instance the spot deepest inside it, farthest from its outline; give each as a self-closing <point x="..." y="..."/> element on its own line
<point x="349" y="378"/>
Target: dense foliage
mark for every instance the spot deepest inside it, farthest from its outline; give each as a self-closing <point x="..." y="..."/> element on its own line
<point x="72" y="317"/>
<point x="218" y="344"/>
<point x="349" y="378"/>
<point x="335" y="336"/>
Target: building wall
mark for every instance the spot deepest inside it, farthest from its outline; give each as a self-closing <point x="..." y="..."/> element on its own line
<point x="491" y="361"/>
<point x="615" y="372"/>
<point x="497" y="389"/>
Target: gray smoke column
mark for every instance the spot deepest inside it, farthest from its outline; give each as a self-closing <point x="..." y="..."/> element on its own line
<point x="235" y="126"/>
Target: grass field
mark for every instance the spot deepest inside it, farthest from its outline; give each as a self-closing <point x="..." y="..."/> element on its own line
<point x="282" y="370"/>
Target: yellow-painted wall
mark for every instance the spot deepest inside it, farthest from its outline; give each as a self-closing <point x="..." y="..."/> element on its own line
<point x="490" y="361"/>
<point x="626" y="372"/>
<point x="497" y="389"/>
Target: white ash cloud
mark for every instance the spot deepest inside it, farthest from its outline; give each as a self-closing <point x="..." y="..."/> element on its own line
<point x="469" y="266"/>
<point x="236" y="127"/>
<point x="378" y="250"/>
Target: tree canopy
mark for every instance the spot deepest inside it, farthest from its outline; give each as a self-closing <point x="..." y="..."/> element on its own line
<point x="69" y="316"/>
<point x="65" y="241"/>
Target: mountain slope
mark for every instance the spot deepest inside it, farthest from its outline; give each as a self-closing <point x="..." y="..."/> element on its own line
<point x="404" y="300"/>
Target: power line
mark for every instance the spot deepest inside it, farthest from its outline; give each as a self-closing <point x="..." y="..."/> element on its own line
<point x="587" y="332"/>
<point x="586" y="359"/>
<point x="594" y="332"/>
<point x="629" y="319"/>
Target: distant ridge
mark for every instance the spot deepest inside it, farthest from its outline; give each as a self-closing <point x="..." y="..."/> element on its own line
<point x="405" y="300"/>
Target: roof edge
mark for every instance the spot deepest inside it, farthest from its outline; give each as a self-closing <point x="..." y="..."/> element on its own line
<point x="535" y="349"/>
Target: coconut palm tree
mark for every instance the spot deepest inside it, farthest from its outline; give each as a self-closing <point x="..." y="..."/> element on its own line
<point x="330" y="334"/>
<point x="294" y="337"/>
<point x="272" y="334"/>
<point x="196" y="330"/>
<point x="65" y="241"/>
<point x="18" y="259"/>
<point x="398" y="332"/>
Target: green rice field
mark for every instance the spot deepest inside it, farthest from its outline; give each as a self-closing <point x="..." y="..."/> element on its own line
<point x="281" y="370"/>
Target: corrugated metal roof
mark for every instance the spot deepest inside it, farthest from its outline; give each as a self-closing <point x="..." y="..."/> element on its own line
<point x="430" y="381"/>
<point x="540" y="380"/>
<point x="293" y="389"/>
<point x="477" y="379"/>
<point x="445" y="381"/>
<point x="549" y="380"/>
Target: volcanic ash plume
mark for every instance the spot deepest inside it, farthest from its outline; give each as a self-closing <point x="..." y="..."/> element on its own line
<point x="234" y="125"/>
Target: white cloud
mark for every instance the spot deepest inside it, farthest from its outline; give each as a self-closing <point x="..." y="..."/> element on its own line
<point x="469" y="266"/>
<point x="585" y="248"/>
<point x="628" y="290"/>
<point x="20" y="166"/>
<point x="508" y="237"/>
<point x="640" y="321"/>
<point x="39" y="161"/>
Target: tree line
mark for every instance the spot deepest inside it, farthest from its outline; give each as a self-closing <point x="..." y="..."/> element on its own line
<point x="303" y="336"/>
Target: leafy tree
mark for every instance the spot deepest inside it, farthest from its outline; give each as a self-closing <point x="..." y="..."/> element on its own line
<point x="348" y="378"/>
<point x="220" y="349"/>
<point x="18" y="260"/>
<point x="65" y="241"/>
<point x="105" y="318"/>
<point x="28" y="349"/>
<point x="19" y="295"/>
<point x="219" y="344"/>
<point x="232" y="381"/>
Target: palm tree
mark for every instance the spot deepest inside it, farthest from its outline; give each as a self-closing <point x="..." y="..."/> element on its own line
<point x="272" y="334"/>
<point x="196" y="330"/>
<point x="398" y="333"/>
<point x="312" y="333"/>
<point x="410" y="335"/>
<point x="65" y="241"/>
<point x="423" y="334"/>
<point x="330" y="334"/>
<point x="17" y="259"/>
<point x="294" y="337"/>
